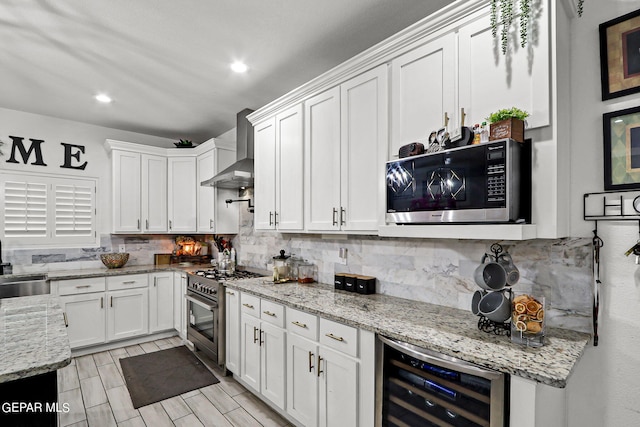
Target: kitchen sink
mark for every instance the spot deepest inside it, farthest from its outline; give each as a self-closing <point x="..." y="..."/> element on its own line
<point x="23" y="285"/>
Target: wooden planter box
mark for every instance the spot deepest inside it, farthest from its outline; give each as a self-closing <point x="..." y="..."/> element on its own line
<point x="510" y="128"/>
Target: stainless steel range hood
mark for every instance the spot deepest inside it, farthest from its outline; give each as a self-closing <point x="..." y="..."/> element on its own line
<point x="239" y="174"/>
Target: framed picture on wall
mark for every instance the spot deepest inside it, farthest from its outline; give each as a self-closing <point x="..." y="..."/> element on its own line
<point x="620" y="56"/>
<point x="622" y="149"/>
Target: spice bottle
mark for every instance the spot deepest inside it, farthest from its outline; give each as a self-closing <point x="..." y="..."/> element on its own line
<point x="476" y="134"/>
<point x="484" y="132"/>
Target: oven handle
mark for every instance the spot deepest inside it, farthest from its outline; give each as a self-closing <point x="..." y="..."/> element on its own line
<point x="202" y="303"/>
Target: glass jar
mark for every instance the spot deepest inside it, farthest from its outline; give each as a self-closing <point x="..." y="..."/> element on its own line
<point x="281" y="267"/>
<point x="306" y="272"/>
<point x="527" y="319"/>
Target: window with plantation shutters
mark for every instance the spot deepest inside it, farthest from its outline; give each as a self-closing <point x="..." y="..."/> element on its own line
<point x="42" y="210"/>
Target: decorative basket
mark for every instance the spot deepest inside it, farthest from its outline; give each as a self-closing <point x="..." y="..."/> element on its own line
<point x="114" y="259"/>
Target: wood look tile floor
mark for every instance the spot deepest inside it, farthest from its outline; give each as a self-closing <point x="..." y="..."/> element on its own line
<point x="97" y="395"/>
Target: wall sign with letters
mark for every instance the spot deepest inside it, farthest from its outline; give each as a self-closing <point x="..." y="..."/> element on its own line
<point x="20" y="153"/>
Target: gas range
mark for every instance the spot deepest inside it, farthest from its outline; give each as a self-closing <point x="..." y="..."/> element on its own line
<point x="207" y="282"/>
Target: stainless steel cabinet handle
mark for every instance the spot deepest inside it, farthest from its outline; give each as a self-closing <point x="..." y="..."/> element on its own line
<point x="66" y="322"/>
<point x="230" y="293"/>
<point x="210" y="224"/>
<point x="170" y="225"/>
<point x="248" y="305"/>
<point x="275" y="218"/>
<point x="301" y="325"/>
<point x="255" y="338"/>
<point x="270" y="218"/>
<point x="101" y="302"/>
<point x="343" y="214"/>
<point x="334" y="337"/>
<point x="155" y="282"/>
<point x="111" y="302"/>
<point x="138" y="225"/>
<point x="334" y="221"/>
<point x="146" y="222"/>
<point x="82" y="286"/>
<point x="129" y="282"/>
<point x="268" y="313"/>
<point x="310" y="361"/>
<point x="261" y="340"/>
<point x="320" y="359"/>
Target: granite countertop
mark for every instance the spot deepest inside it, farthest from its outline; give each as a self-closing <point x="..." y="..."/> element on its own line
<point x="33" y="335"/>
<point x="134" y="269"/>
<point x="442" y="329"/>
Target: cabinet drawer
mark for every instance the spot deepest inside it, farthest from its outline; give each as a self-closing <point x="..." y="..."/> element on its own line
<point x="339" y="337"/>
<point x="272" y="312"/>
<point x="128" y="281"/>
<point x="81" y="286"/>
<point x="250" y="304"/>
<point x="303" y="324"/>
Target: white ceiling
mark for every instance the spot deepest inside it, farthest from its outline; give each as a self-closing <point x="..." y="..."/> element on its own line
<point x="166" y="62"/>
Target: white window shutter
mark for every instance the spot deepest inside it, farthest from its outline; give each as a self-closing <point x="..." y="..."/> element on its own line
<point x="25" y="209"/>
<point x="74" y="206"/>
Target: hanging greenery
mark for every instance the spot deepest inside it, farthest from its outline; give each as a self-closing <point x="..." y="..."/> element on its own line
<point x="506" y="18"/>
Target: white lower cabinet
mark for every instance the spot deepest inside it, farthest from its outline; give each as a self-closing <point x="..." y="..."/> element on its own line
<point x="161" y="289"/>
<point x="180" y="304"/>
<point x="262" y="350"/>
<point x="232" y="323"/>
<point x="338" y="396"/>
<point x="99" y="310"/>
<point x="85" y="316"/>
<point x="128" y="313"/>
<point x="302" y="380"/>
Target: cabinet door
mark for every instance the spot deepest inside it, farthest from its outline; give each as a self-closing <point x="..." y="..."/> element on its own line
<point x="128" y="313"/>
<point x="183" y="304"/>
<point x="363" y="144"/>
<point x="182" y="194"/>
<point x="322" y="161"/>
<point x="178" y="297"/>
<point x="265" y="174"/>
<point x="490" y="80"/>
<point x="126" y="192"/>
<point x="161" y="302"/>
<point x="86" y="318"/>
<point x="338" y="402"/>
<point x="422" y="90"/>
<point x="154" y="193"/>
<point x="250" y="352"/>
<point x="206" y="195"/>
<point x="290" y="170"/>
<point x="232" y="324"/>
<point x="272" y="369"/>
<point x="302" y="380"/>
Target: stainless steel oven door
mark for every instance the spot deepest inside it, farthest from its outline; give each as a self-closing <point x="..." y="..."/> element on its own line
<point x="203" y="325"/>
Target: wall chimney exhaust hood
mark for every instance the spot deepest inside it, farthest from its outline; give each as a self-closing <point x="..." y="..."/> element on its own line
<point x="239" y="174"/>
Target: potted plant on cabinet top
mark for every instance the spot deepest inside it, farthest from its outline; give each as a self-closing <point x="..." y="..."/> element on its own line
<point x="507" y="123"/>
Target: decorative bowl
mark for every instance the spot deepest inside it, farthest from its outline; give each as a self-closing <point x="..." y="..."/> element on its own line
<point x="114" y="259"/>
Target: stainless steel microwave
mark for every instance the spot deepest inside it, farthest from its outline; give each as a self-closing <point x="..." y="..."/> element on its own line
<point x="470" y="184"/>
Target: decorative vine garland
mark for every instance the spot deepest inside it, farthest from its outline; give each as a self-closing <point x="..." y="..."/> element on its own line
<point x="506" y="18"/>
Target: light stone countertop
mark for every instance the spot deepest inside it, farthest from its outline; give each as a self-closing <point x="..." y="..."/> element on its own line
<point x="133" y="269"/>
<point x="33" y="336"/>
<point x="446" y="330"/>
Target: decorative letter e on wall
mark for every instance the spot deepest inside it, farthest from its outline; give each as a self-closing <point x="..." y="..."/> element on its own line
<point x="76" y="155"/>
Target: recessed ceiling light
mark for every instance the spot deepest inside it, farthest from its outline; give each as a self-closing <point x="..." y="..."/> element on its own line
<point x="239" y="67"/>
<point x="101" y="97"/>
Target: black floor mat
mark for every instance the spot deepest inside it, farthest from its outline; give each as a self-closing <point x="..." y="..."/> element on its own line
<point x="156" y="376"/>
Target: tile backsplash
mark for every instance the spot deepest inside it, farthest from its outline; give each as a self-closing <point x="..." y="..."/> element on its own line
<point x="439" y="271"/>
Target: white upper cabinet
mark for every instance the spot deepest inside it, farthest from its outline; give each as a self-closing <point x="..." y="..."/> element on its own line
<point x="279" y="159"/>
<point x="289" y="169"/>
<point x="322" y="161"/>
<point x="364" y="133"/>
<point x="126" y="192"/>
<point x="422" y="91"/>
<point x="182" y="194"/>
<point x="265" y="174"/>
<point x="154" y="193"/>
<point x="206" y="194"/>
<point x="490" y="81"/>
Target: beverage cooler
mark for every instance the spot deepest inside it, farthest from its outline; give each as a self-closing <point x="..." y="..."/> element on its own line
<point x="418" y="387"/>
